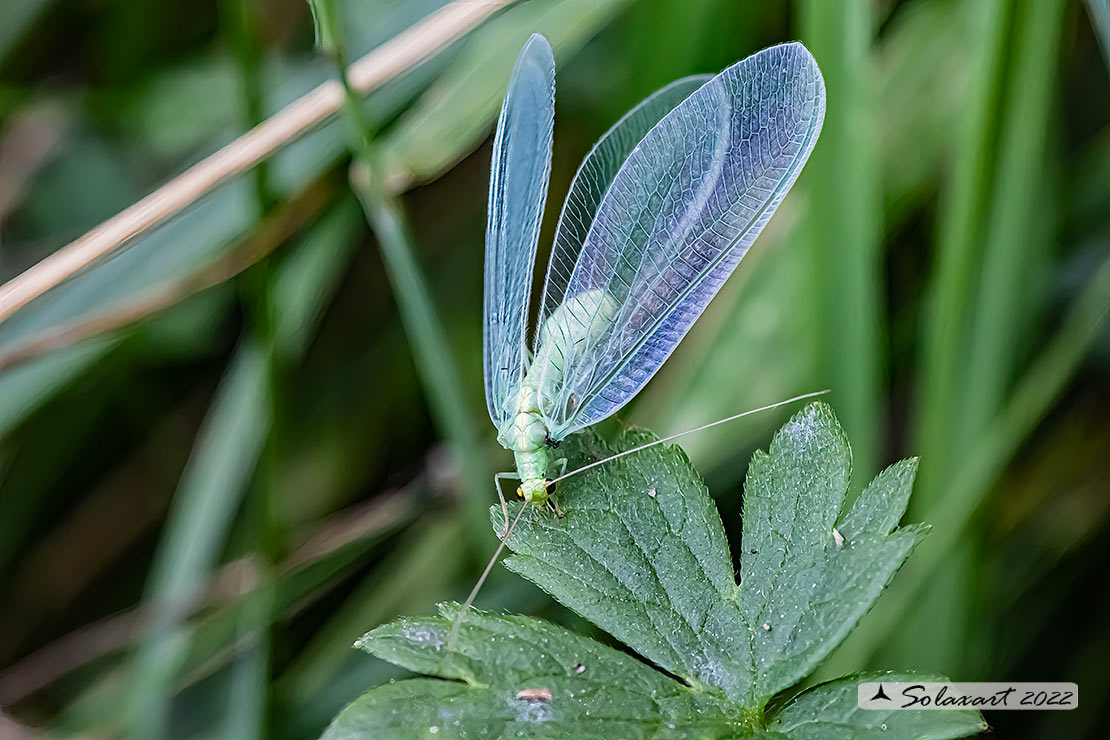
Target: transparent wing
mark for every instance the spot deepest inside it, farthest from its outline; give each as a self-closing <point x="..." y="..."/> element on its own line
<point x="680" y="214"/>
<point x="593" y="178"/>
<point x="517" y="190"/>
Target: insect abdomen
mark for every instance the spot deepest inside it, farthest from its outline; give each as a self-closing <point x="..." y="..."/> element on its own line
<point x="572" y="329"/>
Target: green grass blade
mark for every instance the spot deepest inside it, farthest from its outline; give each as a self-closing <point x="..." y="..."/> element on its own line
<point x="1014" y="228"/>
<point x="1018" y="216"/>
<point x="23" y="390"/>
<point x="421" y="569"/>
<point x="1100" y="17"/>
<point x="248" y="698"/>
<point x="211" y="489"/>
<point x="435" y="366"/>
<point x="845" y="222"/>
<point x="993" y="247"/>
<point x="223" y="463"/>
<point x="957" y="261"/>
<point x="16" y="17"/>
<point x="304" y="282"/>
<point x="1030" y="402"/>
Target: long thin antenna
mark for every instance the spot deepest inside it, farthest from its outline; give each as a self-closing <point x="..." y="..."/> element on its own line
<point x="584" y="468"/>
<point x="481" y="580"/>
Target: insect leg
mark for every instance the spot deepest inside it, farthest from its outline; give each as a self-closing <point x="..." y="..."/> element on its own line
<point x="562" y="464"/>
<point x="497" y="478"/>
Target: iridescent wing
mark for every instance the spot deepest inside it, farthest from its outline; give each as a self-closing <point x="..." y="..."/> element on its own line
<point x="593" y="178"/>
<point x="518" y="188"/>
<point x="679" y="215"/>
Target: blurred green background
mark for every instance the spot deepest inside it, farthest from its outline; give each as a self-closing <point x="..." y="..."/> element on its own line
<point x="232" y="448"/>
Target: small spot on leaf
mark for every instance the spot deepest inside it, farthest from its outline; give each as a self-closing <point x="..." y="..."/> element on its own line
<point x="536" y="695"/>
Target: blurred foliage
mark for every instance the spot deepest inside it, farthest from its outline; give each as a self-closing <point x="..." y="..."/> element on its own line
<point x="218" y="465"/>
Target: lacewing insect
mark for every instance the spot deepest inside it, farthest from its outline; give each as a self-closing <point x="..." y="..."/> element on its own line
<point x="658" y="215"/>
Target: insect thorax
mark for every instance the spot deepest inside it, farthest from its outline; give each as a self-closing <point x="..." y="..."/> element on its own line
<point x="526" y="436"/>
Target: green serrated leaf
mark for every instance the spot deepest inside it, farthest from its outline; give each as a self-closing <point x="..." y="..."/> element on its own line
<point x="505" y="650"/>
<point x="523" y="675"/>
<point x="639" y="550"/>
<point x="804" y="585"/>
<point x="427" y="708"/>
<point x="882" y="503"/>
<point x="831" y="712"/>
<point x="816" y="606"/>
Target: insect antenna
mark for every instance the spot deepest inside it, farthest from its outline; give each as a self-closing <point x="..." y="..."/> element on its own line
<point x="457" y="624"/>
<point x="727" y="419"/>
